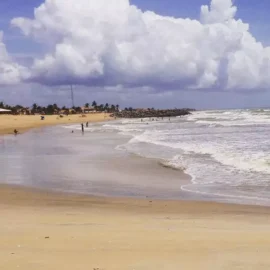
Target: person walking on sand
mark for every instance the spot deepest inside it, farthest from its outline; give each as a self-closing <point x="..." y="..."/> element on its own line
<point x="87" y="124"/>
<point x="82" y="128"/>
<point x="16" y="132"/>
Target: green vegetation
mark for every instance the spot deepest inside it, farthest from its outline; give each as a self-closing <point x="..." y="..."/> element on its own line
<point x="55" y="109"/>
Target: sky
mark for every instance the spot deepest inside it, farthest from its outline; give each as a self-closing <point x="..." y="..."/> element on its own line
<point x="205" y="54"/>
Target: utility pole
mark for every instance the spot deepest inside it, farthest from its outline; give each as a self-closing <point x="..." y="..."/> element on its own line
<point x="72" y="95"/>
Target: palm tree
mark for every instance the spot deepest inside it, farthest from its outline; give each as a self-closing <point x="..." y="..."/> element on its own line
<point x="86" y="105"/>
<point x="39" y="109"/>
<point x="78" y="110"/>
<point x="94" y="104"/>
<point x="50" y="109"/>
<point x="112" y="109"/>
<point x="34" y="106"/>
<point x="101" y="107"/>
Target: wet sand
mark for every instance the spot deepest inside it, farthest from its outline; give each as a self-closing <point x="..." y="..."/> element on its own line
<point x="25" y="122"/>
<point x="47" y="231"/>
<point x="54" y="159"/>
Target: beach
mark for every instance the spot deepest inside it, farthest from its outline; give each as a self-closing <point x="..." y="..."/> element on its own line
<point x="25" y="122"/>
<point x="78" y="201"/>
<point x="41" y="230"/>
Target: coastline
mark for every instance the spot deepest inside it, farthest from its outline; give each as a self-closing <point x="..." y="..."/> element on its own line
<point x="24" y="123"/>
<point x="46" y="230"/>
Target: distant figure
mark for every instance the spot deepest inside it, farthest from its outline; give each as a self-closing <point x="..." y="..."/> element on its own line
<point x="42" y="117"/>
<point x="82" y="128"/>
<point x="169" y="118"/>
<point x="87" y="124"/>
<point x="72" y="131"/>
<point x="16" y="132"/>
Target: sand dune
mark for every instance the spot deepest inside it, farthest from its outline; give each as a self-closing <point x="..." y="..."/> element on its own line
<point x="48" y="231"/>
<point x="25" y="122"/>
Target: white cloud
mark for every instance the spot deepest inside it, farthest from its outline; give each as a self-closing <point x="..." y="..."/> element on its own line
<point x="220" y="11"/>
<point x="10" y="72"/>
<point x="109" y="43"/>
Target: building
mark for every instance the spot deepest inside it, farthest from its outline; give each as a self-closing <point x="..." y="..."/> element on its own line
<point x="90" y="109"/>
<point x="5" y="111"/>
<point x="24" y="111"/>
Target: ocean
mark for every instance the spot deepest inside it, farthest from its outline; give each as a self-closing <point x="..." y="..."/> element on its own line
<point x="225" y="154"/>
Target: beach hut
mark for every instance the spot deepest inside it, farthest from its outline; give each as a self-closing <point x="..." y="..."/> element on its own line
<point x="90" y="109"/>
<point x="4" y="111"/>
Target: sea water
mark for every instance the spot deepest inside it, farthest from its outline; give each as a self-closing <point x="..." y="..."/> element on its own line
<point x="227" y="153"/>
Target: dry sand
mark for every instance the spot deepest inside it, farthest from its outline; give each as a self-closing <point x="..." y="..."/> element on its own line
<point x="46" y="231"/>
<point x="25" y="122"/>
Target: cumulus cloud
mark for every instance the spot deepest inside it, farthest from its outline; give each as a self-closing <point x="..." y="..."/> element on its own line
<point x="109" y="43"/>
<point x="10" y="72"/>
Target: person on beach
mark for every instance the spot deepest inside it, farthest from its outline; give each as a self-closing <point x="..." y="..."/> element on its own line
<point x="87" y="124"/>
<point x="16" y="132"/>
<point x="82" y="127"/>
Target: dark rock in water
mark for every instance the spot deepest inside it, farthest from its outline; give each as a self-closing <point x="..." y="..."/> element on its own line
<point x="151" y="113"/>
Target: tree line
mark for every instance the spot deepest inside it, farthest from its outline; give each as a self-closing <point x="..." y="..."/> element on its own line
<point x="55" y="109"/>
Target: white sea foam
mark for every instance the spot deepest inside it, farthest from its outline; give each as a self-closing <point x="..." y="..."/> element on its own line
<point x="217" y="148"/>
<point x="232" y="118"/>
<point x="225" y="152"/>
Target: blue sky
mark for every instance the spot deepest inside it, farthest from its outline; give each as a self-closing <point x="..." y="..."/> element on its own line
<point x="254" y="12"/>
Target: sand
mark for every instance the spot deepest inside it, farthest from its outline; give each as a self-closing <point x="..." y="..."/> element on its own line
<point x="25" y="122"/>
<point x="48" y="231"/>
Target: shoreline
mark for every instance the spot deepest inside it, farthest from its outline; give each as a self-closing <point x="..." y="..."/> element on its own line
<point x="184" y="178"/>
<point x="15" y="195"/>
<point x="24" y="123"/>
<point x="137" y="161"/>
<point x="47" y="230"/>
